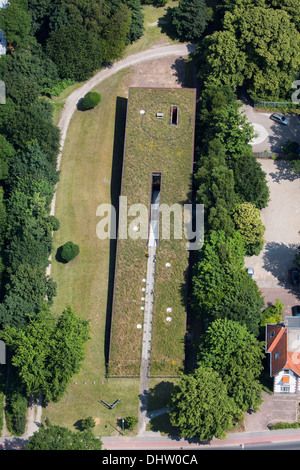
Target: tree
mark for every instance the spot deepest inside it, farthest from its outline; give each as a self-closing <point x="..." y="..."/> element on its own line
<point x="242" y="301"/>
<point x="272" y="314"/>
<point x="29" y="288"/>
<point x="3" y="218"/>
<point x="50" y="437"/>
<point x="190" y="19"/>
<point x="271" y="43"/>
<point x="233" y="130"/>
<point x="15" y="23"/>
<point x="220" y="60"/>
<point x="7" y="153"/>
<point x="137" y="18"/>
<point x="48" y="352"/>
<point x="221" y="286"/>
<point x="131" y="421"/>
<point x="290" y="6"/>
<point x="32" y="73"/>
<point x="87" y="423"/>
<point x="28" y="123"/>
<point x="215" y="188"/>
<point x="69" y="251"/>
<point x="76" y="52"/>
<point x="232" y="351"/>
<point x="116" y="32"/>
<point x="90" y="100"/>
<point x="250" y="181"/>
<point x="248" y="223"/>
<point x="200" y="406"/>
<point x="220" y="256"/>
<point x="30" y="165"/>
<point x="93" y="15"/>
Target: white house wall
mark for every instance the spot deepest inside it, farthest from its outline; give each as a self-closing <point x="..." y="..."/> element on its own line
<point x="293" y="382"/>
<point x="2" y="43"/>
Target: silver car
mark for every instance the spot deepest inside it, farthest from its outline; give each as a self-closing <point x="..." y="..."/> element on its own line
<point x="279" y="118"/>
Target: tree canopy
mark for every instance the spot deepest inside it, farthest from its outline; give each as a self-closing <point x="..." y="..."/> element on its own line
<point x="51" y="437"/>
<point x="257" y="43"/>
<point x="221" y="286"/>
<point x="200" y="406"/>
<point x="47" y="352"/>
<point x="232" y="351"/>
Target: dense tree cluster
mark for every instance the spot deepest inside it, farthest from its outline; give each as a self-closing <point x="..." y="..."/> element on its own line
<point x="50" y="437"/>
<point x="255" y="42"/>
<point x="49" y="45"/>
<point x="233" y="188"/>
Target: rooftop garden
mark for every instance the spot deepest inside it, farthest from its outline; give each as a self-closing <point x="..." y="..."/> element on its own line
<point x="153" y="145"/>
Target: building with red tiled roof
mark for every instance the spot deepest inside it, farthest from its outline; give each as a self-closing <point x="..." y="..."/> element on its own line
<point x="283" y="346"/>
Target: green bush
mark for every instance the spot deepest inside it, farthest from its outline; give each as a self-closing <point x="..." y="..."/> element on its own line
<point x="130" y="422"/>
<point x="87" y="423"/>
<point x="90" y="100"/>
<point x="69" y="251"/>
<point x="16" y="408"/>
<point x="281" y="425"/>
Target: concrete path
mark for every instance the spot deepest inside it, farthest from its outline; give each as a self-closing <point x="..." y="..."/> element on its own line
<point x="148" y="313"/>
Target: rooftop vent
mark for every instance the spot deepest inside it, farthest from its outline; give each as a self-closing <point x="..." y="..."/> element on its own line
<point x="174" y="115"/>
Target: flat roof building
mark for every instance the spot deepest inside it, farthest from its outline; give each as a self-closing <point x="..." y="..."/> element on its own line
<point x="150" y="296"/>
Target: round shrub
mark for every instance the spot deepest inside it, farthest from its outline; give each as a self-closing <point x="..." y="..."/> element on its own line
<point x="54" y="222"/>
<point x="69" y="251"/>
<point x="87" y="423"/>
<point x="90" y="100"/>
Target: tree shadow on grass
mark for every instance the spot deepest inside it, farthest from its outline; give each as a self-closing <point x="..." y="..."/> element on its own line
<point x="166" y="26"/>
<point x="58" y="256"/>
<point x="179" y="70"/>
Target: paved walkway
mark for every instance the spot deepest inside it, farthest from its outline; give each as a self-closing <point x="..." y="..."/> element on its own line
<point x="148" y="312"/>
<point x="238" y="440"/>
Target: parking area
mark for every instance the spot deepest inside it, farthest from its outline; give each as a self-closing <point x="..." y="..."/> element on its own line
<point x="272" y="268"/>
<point x="274" y="408"/>
<point x="272" y="136"/>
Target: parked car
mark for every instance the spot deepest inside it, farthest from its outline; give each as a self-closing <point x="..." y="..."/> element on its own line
<point x="295" y="276"/>
<point x="250" y="271"/>
<point x="279" y="118"/>
<point x="296" y="311"/>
